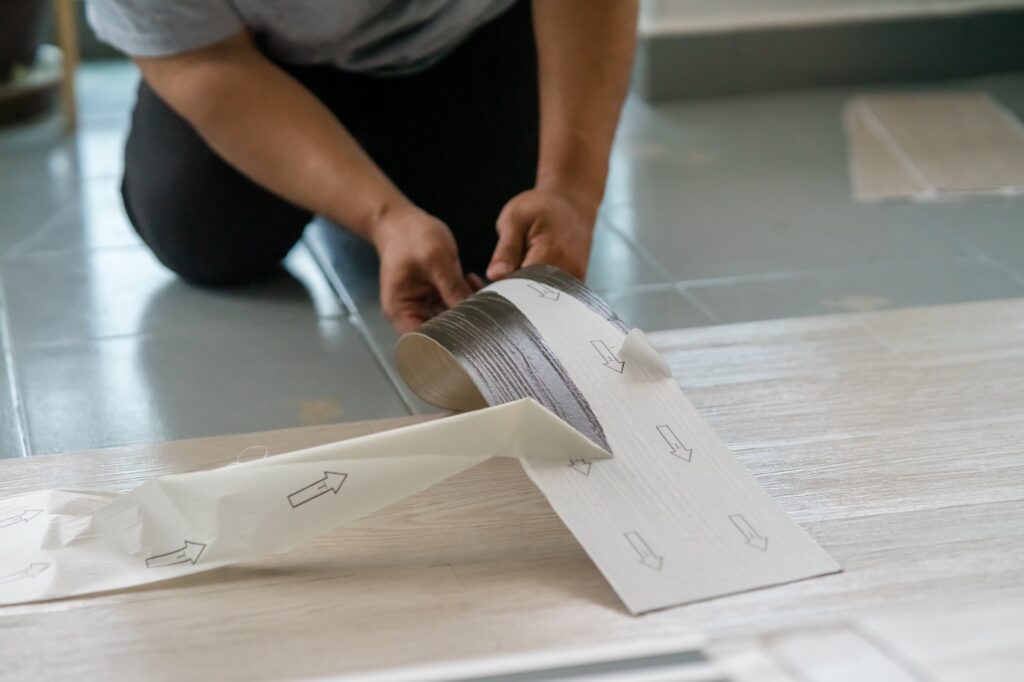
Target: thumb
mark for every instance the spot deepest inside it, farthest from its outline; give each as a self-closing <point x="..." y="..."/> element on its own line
<point x="508" y="254"/>
<point x="451" y="285"/>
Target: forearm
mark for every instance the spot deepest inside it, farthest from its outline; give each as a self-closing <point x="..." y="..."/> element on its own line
<point x="585" y="53"/>
<point x="273" y="130"/>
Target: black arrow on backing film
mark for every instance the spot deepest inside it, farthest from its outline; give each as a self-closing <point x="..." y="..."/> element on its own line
<point x="544" y="291"/>
<point x="330" y="483"/>
<point x="750" y="534"/>
<point x="187" y="553"/>
<point x="608" y="358"/>
<point x="581" y="466"/>
<point x="676" y="446"/>
<point x="23" y="517"/>
<point x="647" y="556"/>
<point x="32" y="571"/>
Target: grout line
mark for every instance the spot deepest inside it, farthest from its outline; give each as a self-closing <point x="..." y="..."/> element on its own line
<point x="978" y="255"/>
<point x="17" y="254"/>
<point x="632" y="289"/>
<point x="635" y="246"/>
<point x="1017" y="277"/>
<point x="704" y="308"/>
<point x="356" y="319"/>
<point x="782" y="275"/>
<point x="674" y="287"/>
<point x="7" y="342"/>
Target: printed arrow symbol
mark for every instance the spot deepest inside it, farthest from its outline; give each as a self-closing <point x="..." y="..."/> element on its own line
<point x="330" y="483"/>
<point x="647" y="556"/>
<point x="32" y="571"/>
<point x="23" y="517"/>
<point x="750" y="535"/>
<point x="580" y="465"/>
<point x="608" y="358"/>
<point x="187" y="553"/>
<point x="544" y="291"/>
<point x="677" y="448"/>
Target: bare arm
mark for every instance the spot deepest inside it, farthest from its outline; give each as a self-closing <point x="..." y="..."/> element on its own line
<point x="272" y="129"/>
<point x="267" y="125"/>
<point x="585" y="53"/>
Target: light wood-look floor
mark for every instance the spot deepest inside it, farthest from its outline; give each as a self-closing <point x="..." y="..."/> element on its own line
<point x="894" y="438"/>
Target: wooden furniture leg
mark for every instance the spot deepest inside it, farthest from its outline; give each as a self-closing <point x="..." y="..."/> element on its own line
<point x="67" y="38"/>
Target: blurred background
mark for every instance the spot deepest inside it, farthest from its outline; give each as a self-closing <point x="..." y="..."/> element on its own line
<point x="765" y="167"/>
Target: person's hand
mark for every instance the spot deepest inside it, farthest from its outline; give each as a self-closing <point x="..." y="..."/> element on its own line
<point x="420" y="274"/>
<point x="544" y="226"/>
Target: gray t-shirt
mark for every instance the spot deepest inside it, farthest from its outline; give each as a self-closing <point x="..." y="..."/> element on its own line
<point x="355" y="35"/>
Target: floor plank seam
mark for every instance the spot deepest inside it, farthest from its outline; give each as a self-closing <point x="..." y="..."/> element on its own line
<point x="890" y="652"/>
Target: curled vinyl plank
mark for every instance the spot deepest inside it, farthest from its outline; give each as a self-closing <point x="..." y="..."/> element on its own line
<point x="501" y="357"/>
<point x="560" y="281"/>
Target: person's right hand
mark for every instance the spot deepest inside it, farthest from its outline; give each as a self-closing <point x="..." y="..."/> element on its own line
<point x="420" y="273"/>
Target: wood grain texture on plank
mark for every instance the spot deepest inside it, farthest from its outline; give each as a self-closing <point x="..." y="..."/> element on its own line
<point x="893" y="437"/>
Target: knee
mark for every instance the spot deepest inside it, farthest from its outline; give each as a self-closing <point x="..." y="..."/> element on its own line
<point x="201" y="218"/>
<point x="213" y="245"/>
<point x="211" y="265"/>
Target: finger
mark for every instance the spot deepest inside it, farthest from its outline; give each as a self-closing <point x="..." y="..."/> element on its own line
<point x="451" y="285"/>
<point x="408" y="317"/>
<point x="541" y="252"/>
<point x="508" y="254"/>
<point x="547" y="254"/>
<point x="404" y="314"/>
<point x="475" y="283"/>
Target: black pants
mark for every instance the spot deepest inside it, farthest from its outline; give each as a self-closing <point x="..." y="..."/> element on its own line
<point x="459" y="139"/>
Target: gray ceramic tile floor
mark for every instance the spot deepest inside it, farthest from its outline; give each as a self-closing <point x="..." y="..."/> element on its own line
<point x="105" y="347"/>
<point x="716" y="211"/>
<point x="862" y="289"/>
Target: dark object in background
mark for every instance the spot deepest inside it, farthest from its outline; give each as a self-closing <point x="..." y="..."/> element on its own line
<point x="21" y="30"/>
<point x="918" y="46"/>
<point x="29" y="76"/>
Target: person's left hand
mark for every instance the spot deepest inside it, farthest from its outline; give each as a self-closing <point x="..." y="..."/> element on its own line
<point x="544" y="226"/>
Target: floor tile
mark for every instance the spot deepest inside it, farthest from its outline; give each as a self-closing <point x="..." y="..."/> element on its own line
<point x="655" y="308"/>
<point x="354" y="260"/>
<point x="615" y="263"/>
<point x="35" y="184"/>
<point x="11" y="440"/>
<point x="988" y="226"/>
<point x="855" y="290"/>
<point x="93" y="219"/>
<point x="744" y="220"/>
<point x="197" y="382"/>
<point x="695" y="138"/>
<point x="99" y="149"/>
<point x="1012" y="262"/>
<point x="42" y="134"/>
<point x="352" y="266"/>
<point x="60" y="296"/>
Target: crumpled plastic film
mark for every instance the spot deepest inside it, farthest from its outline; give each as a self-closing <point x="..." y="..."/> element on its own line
<point x="62" y="543"/>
